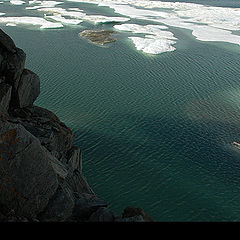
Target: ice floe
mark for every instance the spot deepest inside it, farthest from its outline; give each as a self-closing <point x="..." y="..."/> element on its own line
<point x="79" y="14"/>
<point x="104" y="19"/>
<point x="11" y="24"/>
<point x="206" y="23"/>
<point x="208" y="33"/>
<point x="30" y="21"/>
<point x="146" y="29"/>
<point x="156" y="39"/>
<point x="153" y="45"/>
<point x="59" y="18"/>
<point x="17" y="2"/>
<point x="75" y="9"/>
<point x="43" y="4"/>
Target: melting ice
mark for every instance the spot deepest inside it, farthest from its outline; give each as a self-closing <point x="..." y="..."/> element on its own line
<point x="206" y="23"/>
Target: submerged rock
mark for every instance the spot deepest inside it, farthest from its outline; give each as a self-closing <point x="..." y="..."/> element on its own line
<point x="98" y="36"/>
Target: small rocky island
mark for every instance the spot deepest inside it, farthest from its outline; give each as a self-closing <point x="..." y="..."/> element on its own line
<point x="41" y="176"/>
<point x="100" y="37"/>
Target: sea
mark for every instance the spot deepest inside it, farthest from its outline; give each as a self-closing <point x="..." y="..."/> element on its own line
<point x="156" y="130"/>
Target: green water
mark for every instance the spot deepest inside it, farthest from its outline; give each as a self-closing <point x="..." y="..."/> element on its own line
<point x="156" y="131"/>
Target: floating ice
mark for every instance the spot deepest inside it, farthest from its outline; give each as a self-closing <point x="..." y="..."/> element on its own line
<point x="103" y="19"/>
<point x="205" y="32"/>
<point x="63" y="12"/>
<point x="206" y="23"/>
<point x="155" y="30"/>
<point x="59" y="18"/>
<point x="133" y="12"/>
<point x="208" y="33"/>
<point x="75" y="9"/>
<point x="34" y="2"/>
<point x="225" y="18"/>
<point x="79" y="14"/>
<point x="153" y="45"/>
<point x="11" y="24"/>
<point x="156" y="40"/>
<point x="43" y="4"/>
<point x="17" y="2"/>
<point x="30" y="21"/>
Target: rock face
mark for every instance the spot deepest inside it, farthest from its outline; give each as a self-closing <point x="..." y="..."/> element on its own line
<point x="5" y="95"/>
<point x="41" y="175"/>
<point x="28" y="88"/>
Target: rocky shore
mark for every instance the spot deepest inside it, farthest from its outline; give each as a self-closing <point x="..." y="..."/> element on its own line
<point x="41" y="177"/>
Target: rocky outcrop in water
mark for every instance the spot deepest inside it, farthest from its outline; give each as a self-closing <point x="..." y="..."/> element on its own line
<point x="99" y="37"/>
<point x="41" y="175"/>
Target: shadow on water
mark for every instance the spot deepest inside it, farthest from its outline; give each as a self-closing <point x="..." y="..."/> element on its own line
<point x="194" y="179"/>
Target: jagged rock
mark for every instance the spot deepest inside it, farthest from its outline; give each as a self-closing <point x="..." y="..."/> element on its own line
<point x="103" y="214"/>
<point x="52" y="133"/>
<point x="28" y="88"/>
<point x="135" y="211"/>
<point x="4" y="116"/>
<point x="60" y="206"/>
<point x="13" y="67"/>
<point x="39" y="112"/>
<point x="7" y="42"/>
<point x="78" y="183"/>
<point x="5" y="95"/>
<point x="75" y="160"/>
<point x="27" y="179"/>
<point x="85" y="205"/>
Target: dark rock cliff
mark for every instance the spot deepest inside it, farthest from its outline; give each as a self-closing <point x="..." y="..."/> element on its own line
<point x="40" y="168"/>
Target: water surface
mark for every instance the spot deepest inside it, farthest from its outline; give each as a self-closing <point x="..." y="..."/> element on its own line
<point x="156" y="131"/>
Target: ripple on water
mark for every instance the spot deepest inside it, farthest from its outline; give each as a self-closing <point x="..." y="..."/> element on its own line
<point x="154" y="130"/>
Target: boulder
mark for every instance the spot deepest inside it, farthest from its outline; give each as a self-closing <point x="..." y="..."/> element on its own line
<point x="103" y="214"/>
<point x="60" y="206"/>
<point x="130" y="212"/>
<point x="86" y="205"/>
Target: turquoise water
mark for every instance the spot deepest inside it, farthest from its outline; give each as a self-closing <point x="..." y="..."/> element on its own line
<point x="156" y="131"/>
